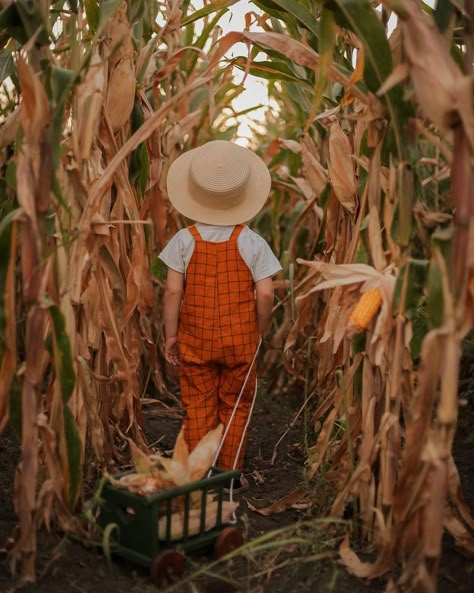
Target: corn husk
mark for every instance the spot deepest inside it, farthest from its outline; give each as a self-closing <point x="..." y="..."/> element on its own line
<point x="177" y="520"/>
<point x="202" y="457"/>
<point x="142" y="484"/>
<point x="184" y="467"/>
<point x="118" y="50"/>
<point x="121" y="93"/>
<point x="154" y="473"/>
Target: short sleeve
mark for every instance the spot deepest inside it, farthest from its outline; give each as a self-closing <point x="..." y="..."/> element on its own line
<point x="262" y="262"/>
<point x="173" y="254"/>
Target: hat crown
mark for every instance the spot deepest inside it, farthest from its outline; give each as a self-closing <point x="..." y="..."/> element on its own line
<point x="220" y="169"/>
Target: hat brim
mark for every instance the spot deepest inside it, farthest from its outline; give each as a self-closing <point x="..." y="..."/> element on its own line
<point x="182" y="192"/>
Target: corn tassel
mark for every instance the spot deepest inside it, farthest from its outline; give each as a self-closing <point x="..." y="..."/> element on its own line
<point x="368" y="305"/>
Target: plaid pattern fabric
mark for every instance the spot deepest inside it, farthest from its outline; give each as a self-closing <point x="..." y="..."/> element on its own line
<point x="217" y="339"/>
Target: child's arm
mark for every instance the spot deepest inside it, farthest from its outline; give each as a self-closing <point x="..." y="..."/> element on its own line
<point x="172" y="303"/>
<point x="264" y="295"/>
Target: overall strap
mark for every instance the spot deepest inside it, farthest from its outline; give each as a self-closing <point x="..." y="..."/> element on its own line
<point x="236" y="232"/>
<point x="194" y="232"/>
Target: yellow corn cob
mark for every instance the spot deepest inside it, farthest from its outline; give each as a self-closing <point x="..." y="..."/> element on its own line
<point x="368" y="305"/>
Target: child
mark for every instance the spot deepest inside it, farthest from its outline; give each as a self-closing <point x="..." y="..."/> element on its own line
<point x="219" y="290"/>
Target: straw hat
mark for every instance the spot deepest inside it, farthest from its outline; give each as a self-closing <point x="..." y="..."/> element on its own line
<point x="219" y="183"/>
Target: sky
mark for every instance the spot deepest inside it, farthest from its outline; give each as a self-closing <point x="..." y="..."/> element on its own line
<point x="255" y="92"/>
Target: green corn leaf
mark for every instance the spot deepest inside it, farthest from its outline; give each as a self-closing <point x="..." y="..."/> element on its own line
<point x="435" y="296"/>
<point x="442" y="14"/>
<point x="107" y="9"/>
<point x="361" y="18"/>
<point x="158" y="268"/>
<point x="92" y="13"/>
<point x="420" y="329"/>
<point x="409" y="287"/>
<point x="11" y="24"/>
<point x="62" y="354"/>
<point x="295" y="9"/>
<point x="62" y="81"/>
<point x="73" y="449"/>
<point x="406" y="200"/>
<point x="31" y="17"/>
<point x="327" y="41"/>
<point x="208" y="9"/>
<point x="10" y="176"/>
<point x="6" y="64"/>
<point x="5" y="244"/>
<point x="144" y="164"/>
<point x="72" y="5"/>
<point x="269" y="70"/>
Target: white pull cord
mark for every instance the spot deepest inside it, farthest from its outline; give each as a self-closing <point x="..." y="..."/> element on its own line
<point x="235" y="409"/>
<point x="233" y="521"/>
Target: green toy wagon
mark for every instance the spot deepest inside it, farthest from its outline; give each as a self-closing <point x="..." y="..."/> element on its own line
<point x="150" y="532"/>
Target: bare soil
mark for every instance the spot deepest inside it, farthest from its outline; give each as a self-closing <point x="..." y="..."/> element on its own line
<point x="301" y="559"/>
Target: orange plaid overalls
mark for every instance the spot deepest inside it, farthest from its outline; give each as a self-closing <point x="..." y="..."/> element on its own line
<point x="217" y="338"/>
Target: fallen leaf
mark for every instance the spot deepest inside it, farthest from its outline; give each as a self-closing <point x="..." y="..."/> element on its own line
<point x="279" y="505"/>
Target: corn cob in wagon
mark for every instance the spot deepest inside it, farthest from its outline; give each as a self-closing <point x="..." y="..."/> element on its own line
<point x="155" y="473"/>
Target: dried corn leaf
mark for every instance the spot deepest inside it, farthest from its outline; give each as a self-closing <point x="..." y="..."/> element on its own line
<point x="204" y="454"/>
<point x="462" y="538"/>
<point x="287" y="502"/>
<point x="363" y="569"/>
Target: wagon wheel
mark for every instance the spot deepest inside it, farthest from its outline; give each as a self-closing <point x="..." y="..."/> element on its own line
<point x="228" y="539"/>
<point x="167" y="566"/>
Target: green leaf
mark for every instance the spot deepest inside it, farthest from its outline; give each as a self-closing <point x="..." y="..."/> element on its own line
<point x="144" y="164"/>
<point x="208" y="9"/>
<point x="62" y="80"/>
<point x="73" y="449"/>
<point x="269" y="70"/>
<point x="442" y="14"/>
<point x="5" y="245"/>
<point x="10" y="175"/>
<point x="107" y="539"/>
<point x="62" y="354"/>
<point x="435" y="296"/>
<point x="6" y="64"/>
<point x="31" y="17"/>
<point x="420" y="329"/>
<point x="137" y="10"/>
<point x="362" y="19"/>
<point x="107" y="10"/>
<point x="11" y="23"/>
<point x="405" y="205"/>
<point x="298" y="11"/>
<point x="158" y="268"/>
<point x="327" y="42"/>
<point x="92" y="13"/>
<point x="409" y="287"/>
<point x="72" y="5"/>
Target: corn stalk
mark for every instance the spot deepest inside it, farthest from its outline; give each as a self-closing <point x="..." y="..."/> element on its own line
<point x="377" y="147"/>
<point x="98" y="99"/>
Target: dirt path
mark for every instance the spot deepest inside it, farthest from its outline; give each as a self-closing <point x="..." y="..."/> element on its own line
<point x="300" y="559"/>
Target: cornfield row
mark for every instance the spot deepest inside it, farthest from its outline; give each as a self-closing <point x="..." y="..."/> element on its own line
<point x="371" y="158"/>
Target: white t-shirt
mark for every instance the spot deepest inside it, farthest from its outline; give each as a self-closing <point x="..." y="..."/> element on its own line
<point x="254" y="250"/>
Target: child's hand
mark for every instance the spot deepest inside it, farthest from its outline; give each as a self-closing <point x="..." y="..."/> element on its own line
<point x="171" y="351"/>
